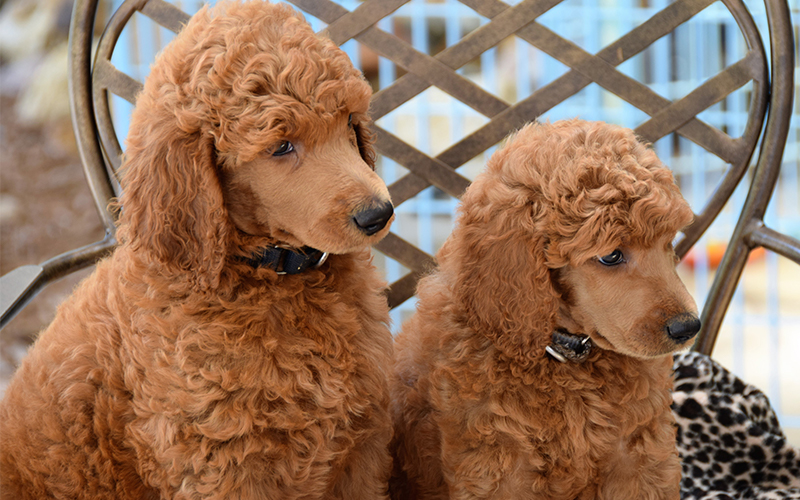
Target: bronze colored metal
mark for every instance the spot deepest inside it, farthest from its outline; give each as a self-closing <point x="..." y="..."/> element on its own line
<point x="431" y="170"/>
<point x="83" y="120"/>
<point x="750" y="230"/>
<point x="21" y="285"/>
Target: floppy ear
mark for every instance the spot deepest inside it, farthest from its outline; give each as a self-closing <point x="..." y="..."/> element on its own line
<point x="365" y="138"/>
<point x="502" y="282"/>
<point x="172" y="204"/>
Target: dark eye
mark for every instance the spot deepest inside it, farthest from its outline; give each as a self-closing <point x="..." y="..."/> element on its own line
<point x="283" y="148"/>
<point x="350" y="120"/>
<point x="612" y="259"/>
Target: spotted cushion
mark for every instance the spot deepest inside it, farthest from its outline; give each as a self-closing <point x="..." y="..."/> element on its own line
<point x="729" y="438"/>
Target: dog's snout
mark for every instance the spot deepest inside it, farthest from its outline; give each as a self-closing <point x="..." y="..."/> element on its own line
<point x="683" y="327"/>
<point x="373" y="219"/>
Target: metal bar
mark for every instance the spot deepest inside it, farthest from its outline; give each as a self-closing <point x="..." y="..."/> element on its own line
<point x="782" y="244"/>
<point x="165" y="14"/>
<point x="402" y="289"/>
<point x="709" y="93"/>
<point x="433" y="171"/>
<point x="363" y="17"/>
<point x="405" y="253"/>
<point x="21" y="285"/>
<point x="117" y="82"/>
<point x="765" y="175"/>
<point x="80" y="100"/>
<point x="432" y="72"/>
<point x="107" y="78"/>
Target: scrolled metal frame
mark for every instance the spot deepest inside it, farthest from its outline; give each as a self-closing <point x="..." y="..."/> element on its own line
<point x="751" y="231"/>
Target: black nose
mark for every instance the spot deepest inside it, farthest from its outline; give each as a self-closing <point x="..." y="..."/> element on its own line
<point x="373" y="219"/>
<point x="683" y="327"/>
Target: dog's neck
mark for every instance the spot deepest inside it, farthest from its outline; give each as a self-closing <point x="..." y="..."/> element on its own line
<point x="288" y="260"/>
<point x="565" y="346"/>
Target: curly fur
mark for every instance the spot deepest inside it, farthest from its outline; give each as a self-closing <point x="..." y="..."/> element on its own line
<point x="178" y="370"/>
<point x="480" y="410"/>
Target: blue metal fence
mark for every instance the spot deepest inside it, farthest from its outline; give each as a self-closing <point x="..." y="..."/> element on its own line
<point x="763" y="323"/>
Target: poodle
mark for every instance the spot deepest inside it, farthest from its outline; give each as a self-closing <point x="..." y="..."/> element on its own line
<point x="218" y="354"/>
<point x="537" y="364"/>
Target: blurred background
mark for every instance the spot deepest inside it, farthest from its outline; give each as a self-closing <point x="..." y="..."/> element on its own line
<point x="46" y="207"/>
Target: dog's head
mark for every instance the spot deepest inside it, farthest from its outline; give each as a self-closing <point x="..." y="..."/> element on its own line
<point x="251" y="131"/>
<point x="571" y="226"/>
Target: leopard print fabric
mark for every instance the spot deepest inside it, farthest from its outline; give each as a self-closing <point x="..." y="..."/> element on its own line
<point x="729" y="439"/>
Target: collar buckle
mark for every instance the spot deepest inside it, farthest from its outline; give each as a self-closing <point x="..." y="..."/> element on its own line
<point x="555" y="354"/>
<point x="566" y="346"/>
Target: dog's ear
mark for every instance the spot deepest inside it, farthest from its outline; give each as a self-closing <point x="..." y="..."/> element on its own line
<point x="172" y="204"/>
<point x="365" y="139"/>
<point x="502" y="283"/>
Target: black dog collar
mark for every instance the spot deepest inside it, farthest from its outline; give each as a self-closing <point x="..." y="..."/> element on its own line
<point x="288" y="261"/>
<point x="566" y="346"/>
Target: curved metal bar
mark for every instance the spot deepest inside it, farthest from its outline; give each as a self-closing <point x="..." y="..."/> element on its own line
<point x="750" y="135"/>
<point x="762" y="236"/>
<point x="103" y="75"/>
<point x="21" y="285"/>
<point x="83" y="122"/>
<point x="765" y="176"/>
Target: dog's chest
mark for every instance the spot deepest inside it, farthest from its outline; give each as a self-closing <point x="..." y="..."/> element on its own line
<point x="292" y="374"/>
<point x="589" y="434"/>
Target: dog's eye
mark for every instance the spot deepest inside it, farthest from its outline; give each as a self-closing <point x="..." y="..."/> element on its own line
<point x="283" y="148"/>
<point x="350" y="120"/>
<point x="612" y="259"/>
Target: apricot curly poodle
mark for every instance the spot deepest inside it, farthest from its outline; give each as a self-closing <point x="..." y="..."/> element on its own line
<point x="563" y="244"/>
<point x="188" y="365"/>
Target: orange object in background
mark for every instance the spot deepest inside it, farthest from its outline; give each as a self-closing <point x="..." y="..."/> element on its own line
<point x="715" y="252"/>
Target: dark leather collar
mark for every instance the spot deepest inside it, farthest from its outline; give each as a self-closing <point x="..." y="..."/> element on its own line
<point x="287" y="260"/>
<point x="566" y="346"/>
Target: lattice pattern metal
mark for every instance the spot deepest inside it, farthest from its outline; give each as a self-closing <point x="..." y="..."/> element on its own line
<point x="424" y="71"/>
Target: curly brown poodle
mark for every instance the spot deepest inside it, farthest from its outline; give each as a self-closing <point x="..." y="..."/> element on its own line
<point x="537" y="365"/>
<point x="217" y="354"/>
